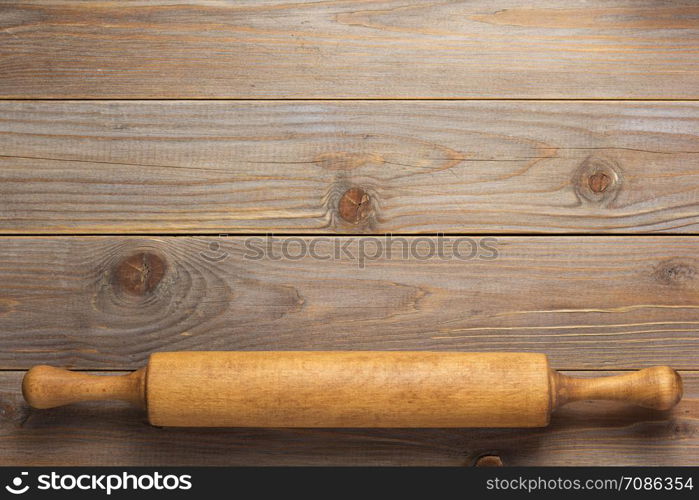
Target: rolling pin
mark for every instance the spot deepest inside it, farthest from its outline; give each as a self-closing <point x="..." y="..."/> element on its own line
<point x="349" y="389"/>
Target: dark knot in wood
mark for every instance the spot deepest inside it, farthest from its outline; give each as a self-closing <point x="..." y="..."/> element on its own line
<point x="675" y="272"/>
<point x="140" y="273"/>
<point x="354" y="206"/>
<point x="598" y="180"/>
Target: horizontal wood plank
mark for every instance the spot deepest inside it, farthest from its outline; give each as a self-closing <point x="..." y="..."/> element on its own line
<point x="305" y="167"/>
<point x="588" y="302"/>
<point x="353" y="48"/>
<point x="588" y="433"/>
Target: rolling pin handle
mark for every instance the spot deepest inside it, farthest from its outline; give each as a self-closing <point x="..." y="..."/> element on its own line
<point x="658" y="388"/>
<point x="47" y="387"/>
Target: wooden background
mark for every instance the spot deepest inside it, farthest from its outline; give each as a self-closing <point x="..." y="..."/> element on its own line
<point x="134" y="134"/>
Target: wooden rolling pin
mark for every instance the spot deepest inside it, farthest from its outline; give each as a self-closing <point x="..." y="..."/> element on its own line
<point x="349" y="389"/>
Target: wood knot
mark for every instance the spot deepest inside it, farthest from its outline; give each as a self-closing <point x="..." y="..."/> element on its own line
<point x="488" y="461"/>
<point x="140" y="273"/>
<point x="675" y="272"/>
<point x="598" y="180"/>
<point x="13" y="411"/>
<point x="354" y="206"/>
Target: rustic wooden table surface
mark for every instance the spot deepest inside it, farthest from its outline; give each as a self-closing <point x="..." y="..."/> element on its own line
<point x="134" y="134"/>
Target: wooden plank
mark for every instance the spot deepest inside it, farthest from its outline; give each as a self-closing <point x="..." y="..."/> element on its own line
<point x="353" y="48"/>
<point x="589" y="433"/>
<point x="427" y="166"/>
<point x="588" y="302"/>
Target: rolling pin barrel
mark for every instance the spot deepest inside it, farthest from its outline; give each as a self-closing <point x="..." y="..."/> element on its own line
<point x="349" y="389"/>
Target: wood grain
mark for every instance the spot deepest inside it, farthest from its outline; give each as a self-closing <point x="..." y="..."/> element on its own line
<point x="348" y="167"/>
<point x="493" y="163"/>
<point x="587" y="302"/>
<point x="354" y="48"/>
<point x="586" y="433"/>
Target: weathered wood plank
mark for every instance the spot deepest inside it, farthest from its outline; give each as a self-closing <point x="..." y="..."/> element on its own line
<point x="427" y="166"/>
<point x="353" y="48"/>
<point x="588" y="302"/>
<point x="580" y="434"/>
